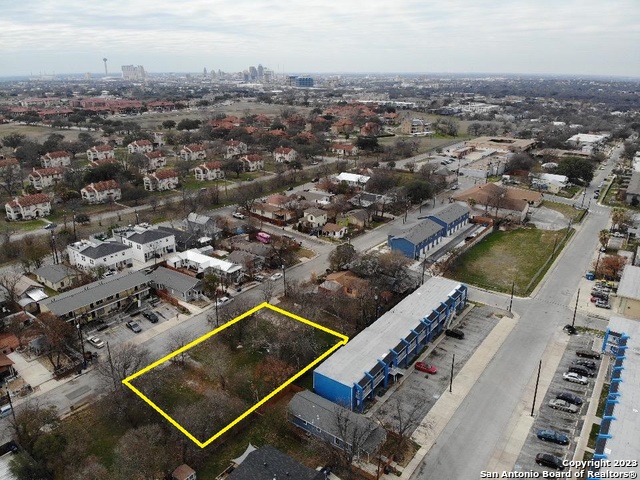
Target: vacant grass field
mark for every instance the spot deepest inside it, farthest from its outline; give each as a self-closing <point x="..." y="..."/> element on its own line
<point x="506" y="257"/>
<point x="567" y="210"/>
<point x="38" y="133"/>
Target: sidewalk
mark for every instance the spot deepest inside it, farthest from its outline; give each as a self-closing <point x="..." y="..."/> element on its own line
<point x="445" y="408"/>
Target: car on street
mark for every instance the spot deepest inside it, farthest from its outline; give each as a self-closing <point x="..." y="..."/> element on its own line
<point x="259" y="278"/>
<point x="223" y="301"/>
<point x="289" y="189"/>
<point x="275" y="276"/>
<point x="425" y="367"/>
<point x="570" y="397"/>
<point x="588" y="354"/>
<point x="96" y="341"/>
<point x="603" y="304"/>
<point x="238" y="215"/>
<point x="563" y="405"/>
<point x="549" y="435"/>
<point x="575" y="378"/>
<point x="50" y="226"/>
<point x="151" y="316"/>
<point x="550" y="461"/>
<point x="134" y="327"/>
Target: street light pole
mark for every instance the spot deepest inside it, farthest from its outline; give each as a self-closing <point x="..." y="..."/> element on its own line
<point x="513" y="286"/>
<point x="575" y="310"/>
<point x="453" y="361"/>
<point x="284" y="279"/>
<point x="535" y="392"/>
<point x="73" y="219"/>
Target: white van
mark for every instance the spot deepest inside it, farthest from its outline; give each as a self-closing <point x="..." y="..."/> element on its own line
<point x="5" y="411"/>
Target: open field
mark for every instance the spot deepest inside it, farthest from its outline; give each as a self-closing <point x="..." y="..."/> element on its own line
<point x="40" y="134"/>
<point x="567" y="210"/>
<point x="503" y="258"/>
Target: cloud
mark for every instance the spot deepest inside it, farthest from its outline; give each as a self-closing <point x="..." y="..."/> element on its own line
<point x="329" y="35"/>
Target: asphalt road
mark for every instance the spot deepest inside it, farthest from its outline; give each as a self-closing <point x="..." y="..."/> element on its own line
<point x="476" y="430"/>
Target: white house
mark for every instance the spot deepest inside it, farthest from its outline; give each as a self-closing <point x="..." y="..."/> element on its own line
<point x="158" y="139"/>
<point x="253" y="162"/>
<point x="334" y="231"/>
<point x="28" y="207"/>
<point x="147" y="243"/>
<point x="235" y="148"/>
<point x="193" y="152"/>
<point x="209" y="171"/>
<point x="46" y="177"/>
<point x="284" y="154"/>
<point x="318" y="197"/>
<point x="344" y="149"/>
<point x="140" y="146"/>
<point x="201" y="263"/>
<point x="101" y="192"/>
<point x="160" y="180"/>
<point x="315" y="217"/>
<point x="88" y="254"/>
<point x="156" y="159"/>
<point x="550" y="182"/>
<point x="100" y="152"/>
<point x="56" y="159"/>
<point x="352" y="179"/>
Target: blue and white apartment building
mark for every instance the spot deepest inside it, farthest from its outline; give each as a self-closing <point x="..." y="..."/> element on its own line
<point x="354" y="373"/>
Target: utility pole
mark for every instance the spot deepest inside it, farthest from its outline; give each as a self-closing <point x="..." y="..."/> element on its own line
<point x="115" y="383"/>
<point x="453" y="361"/>
<point x="284" y="279"/>
<point x="73" y="219"/>
<point x="535" y="392"/>
<point x="575" y="310"/>
<point x="513" y="286"/>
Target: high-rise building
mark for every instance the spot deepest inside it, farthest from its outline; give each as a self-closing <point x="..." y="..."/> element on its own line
<point x="131" y="72"/>
<point x="204" y="72"/>
<point x="253" y="73"/>
<point x="304" y="82"/>
<point x="260" y="72"/>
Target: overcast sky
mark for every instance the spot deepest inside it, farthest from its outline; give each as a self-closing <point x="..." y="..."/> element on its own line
<point x="309" y="36"/>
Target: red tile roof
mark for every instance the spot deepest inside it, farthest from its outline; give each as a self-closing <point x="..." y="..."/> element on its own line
<point x="154" y="154"/>
<point x="102" y="148"/>
<point x="103" y="186"/>
<point x="47" y="172"/>
<point x="9" y="162"/>
<point x="254" y="157"/>
<point x="194" y="147"/>
<point x="141" y="143"/>
<point x="58" y="154"/>
<point x="211" y="165"/>
<point x="331" y="227"/>
<point x="29" y="200"/>
<point x="166" y="173"/>
<point x="283" y="150"/>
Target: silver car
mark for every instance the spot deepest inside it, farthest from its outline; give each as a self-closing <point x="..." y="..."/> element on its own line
<point x="575" y="378"/>
<point x="563" y="405"/>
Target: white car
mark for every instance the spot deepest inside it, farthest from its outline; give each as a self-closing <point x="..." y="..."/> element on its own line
<point x="96" y="341"/>
<point x="238" y="215"/>
<point x="563" y="405"/>
<point x="575" y="378"/>
<point x="275" y="276"/>
<point x="223" y="301"/>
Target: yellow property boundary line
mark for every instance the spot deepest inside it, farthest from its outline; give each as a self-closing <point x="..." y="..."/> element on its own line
<point x="127" y="381"/>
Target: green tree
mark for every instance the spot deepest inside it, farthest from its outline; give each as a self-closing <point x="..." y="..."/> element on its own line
<point x="342" y="256"/>
<point x="13" y="140"/>
<point x="578" y="170"/>
<point x="369" y="144"/>
<point x="419" y="190"/>
<point x="168" y="124"/>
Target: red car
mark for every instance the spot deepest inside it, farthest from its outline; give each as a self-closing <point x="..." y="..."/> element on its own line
<point x="425" y="367"/>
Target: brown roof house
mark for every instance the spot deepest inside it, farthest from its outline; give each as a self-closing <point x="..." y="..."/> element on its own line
<point x="28" y="207"/>
<point x="501" y="202"/>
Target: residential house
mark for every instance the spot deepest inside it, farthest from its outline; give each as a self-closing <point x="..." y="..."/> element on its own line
<point x="344" y="149"/>
<point x="29" y="293"/>
<point x="452" y="217"/>
<point x="101" y="192"/>
<point x="202" y="225"/>
<point x="160" y="180"/>
<point x="315" y="217"/>
<point x="100" y="152"/>
<point x="336" y="425"/>
<point x="184" y="240"/>
<point x="201" y="264"/>
<point x="549" y="182"/>
<point x="58" y="277"/>
<point x="266" y="252"/>
<point x="446" y="176"/>
<point x="178" y="285"/>
<point x="6" y="368"/>
<point x="318" y="197"/>
<point x="284" y="154"/>
<point x="103" y="161"/>
<point x="100" y="299"/>
<point x="358" y="217"/>
<point x="209" y="171"/>
<point x="28" y="207"/>
<point x="158" y="139"/>
<point x="140" y="146"/>
<point x="344" y="125"/>
<point x="417" y="240"/>
<point x="499" y="201"/>
<point x="248" y="261"/>
<point x="370" y="129"/>
<point x="235" y="148"/>
<point x="345" y="282"/>
<point x="183" y="472"/>
<point x="334" y="231"/>
<point x="46" y="177"/>
<point x="89" y="254"/>
<point x="272" y="213"/>
<point x="632" y="193"/>
<point x="146" y="242"/>
<point x="193" y="152"/>
<point x="414" y="126"/>
<point x="252" y="162"/>
<point x="268" y="463"/>
<point x="353" y="179"/>
<point x="56" y="159"/>
<point x="155" y="159"/>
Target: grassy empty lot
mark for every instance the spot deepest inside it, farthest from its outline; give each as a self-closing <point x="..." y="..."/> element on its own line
<point x="568" y="211"/>
<point x="506" y="257"/>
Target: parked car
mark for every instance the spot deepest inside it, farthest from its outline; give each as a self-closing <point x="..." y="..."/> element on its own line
<point x="425" y="367"/>
<point x="551" y="461"/>
<point x="315" y="163"/>
<point x="580" y="370"/>
<point x="570" y="397"/>
<point x="603" y="304"/>
<point x="590" y="364"/>
<point x="275" y="276"/>
<point x="151" y="316"/>
<point x="96" y="341"/>
<point x="289" y="189"/>
<point x="588" y="354"/>
<point x="133" y="326"/>
<point x="455" y="333"/>
<point x="575" y="378"/>
<point x="50" y="226"/>
<point x="223" y="301"/>
<point x="558" y="404"/>
<point x="238" y="215"/>
<point x="259" y="278"/>
<point x="552" y="436"/>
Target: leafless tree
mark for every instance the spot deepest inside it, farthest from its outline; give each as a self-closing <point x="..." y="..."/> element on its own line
<point x="353" y="434"/>
<point x="178" y="340"/>
<point x="121" y="362"/>
<point x="60" y="336"/>
<point x="268" y="288"/>
<point x="143" y="453"/>
<point x="400" y="419"/>
<point x="9" y="280"/>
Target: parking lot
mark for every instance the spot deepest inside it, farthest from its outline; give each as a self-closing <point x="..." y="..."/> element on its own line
<point x="419" y="391"/>
<point x="569" y="424"/>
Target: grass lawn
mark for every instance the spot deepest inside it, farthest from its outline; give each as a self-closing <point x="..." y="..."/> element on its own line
<point x="568" y="211"/>
<point x="506" y="257"/>
<point x="28" y="225"/>
<point x="39" y="133"/>
<point x="602" y="400"/>
<point x="593" y="434"/>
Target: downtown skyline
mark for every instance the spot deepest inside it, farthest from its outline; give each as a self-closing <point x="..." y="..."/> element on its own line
<point x="458" y="36"/>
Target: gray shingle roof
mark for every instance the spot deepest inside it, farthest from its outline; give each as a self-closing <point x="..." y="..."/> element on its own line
<point x="451" y="212"/>
<point x="329" y="417"/>
<point x="419" y="233"/>
<point x="268" y="463"/>
<point x="55" y="273"/>
<point x="634" y="183"/>
<point x="629" y="286"/>
<point x="148" y="236"/>
<point x="104" y="249"/>
<point x="83" y="296"/>
<point x="174" y="280"/>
